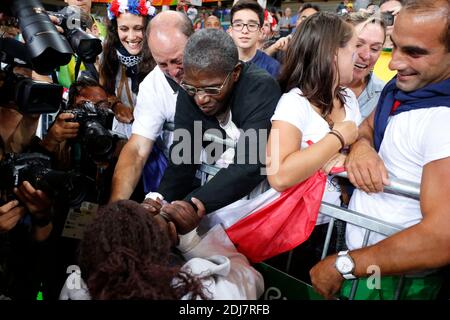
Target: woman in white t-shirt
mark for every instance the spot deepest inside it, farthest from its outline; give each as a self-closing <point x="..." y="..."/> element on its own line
<point x="319" y="62"/>
<point x="315" y="107"/>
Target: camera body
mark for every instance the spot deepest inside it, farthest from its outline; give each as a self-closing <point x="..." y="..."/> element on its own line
<point x="388" y="18"/>
<point x="35" y="168"/>
<point x="26" y="95"/>
<point x="44" y="50"/>
<point x="86" y="46"/>
<point x="94" y="135"/>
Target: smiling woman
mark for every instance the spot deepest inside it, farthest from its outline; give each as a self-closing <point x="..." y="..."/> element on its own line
<point x="371" y="34"/>
<point x="126" y="58"/>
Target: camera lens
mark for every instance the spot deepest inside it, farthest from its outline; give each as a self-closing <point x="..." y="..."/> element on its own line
<point x="48" y="48"/>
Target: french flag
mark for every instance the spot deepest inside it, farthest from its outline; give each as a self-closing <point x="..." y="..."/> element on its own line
<point x="273" y="222"/>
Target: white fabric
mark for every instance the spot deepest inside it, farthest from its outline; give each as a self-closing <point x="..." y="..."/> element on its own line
<point x="192" y="13"/>
<point x="155" y="105"/>
<point x="296" y="110"/>
<point x="232" y="134"/>
<point x="227" y="274"/>
<point x="412" y="139"/>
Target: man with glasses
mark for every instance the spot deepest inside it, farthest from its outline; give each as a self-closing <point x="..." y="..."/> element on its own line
<point x="232" y="98"/>
<point x="247" y="18"/>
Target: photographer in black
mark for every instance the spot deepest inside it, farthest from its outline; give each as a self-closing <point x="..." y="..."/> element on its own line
<point x="29" y="217"/>
<point x="24" y="222"/>
<point x="81" y="139"/>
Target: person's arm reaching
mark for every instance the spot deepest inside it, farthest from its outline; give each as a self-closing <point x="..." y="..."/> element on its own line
<point x="129" y="166"/>
<point x="425" y="245"/>
<point x="288" y="165"/>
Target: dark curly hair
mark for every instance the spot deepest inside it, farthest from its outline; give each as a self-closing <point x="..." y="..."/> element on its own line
<point x="125" y="254"/>
<point x="110" y="62"/>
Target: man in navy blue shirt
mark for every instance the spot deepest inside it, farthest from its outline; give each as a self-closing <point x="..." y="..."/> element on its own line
<point x="247" y="18"/>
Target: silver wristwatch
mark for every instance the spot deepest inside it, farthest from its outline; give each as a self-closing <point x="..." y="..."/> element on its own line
<point x="345" y="265"/>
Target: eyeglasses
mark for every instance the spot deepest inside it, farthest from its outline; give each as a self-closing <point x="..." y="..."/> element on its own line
<point x="239" y="26"/>
<point x="210" y="91"/>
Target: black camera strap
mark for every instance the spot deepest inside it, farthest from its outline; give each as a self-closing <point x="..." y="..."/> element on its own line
<point x="54" y="77"/>
<point x="77" y="67"/>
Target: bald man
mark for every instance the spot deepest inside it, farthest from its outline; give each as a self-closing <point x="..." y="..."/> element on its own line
<point x="212" y="22"/>
<point x="167" y="35"/>
<point x="405" y="137"/>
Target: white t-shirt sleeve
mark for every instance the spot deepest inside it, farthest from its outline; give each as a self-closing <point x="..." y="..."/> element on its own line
<point x="149" y="113"/>
<point x="435" y="142"/>
<point x="293" y="108"/>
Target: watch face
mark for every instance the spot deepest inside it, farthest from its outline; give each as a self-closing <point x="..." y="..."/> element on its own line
<point x="344" y="265"/>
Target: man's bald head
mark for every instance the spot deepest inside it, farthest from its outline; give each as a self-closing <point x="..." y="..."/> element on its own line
<point x="167" y="34"/>
<point x="169" y="21"/>
<point x="212" y="22"/>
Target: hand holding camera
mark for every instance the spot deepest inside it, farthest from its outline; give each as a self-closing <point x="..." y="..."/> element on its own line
<point x="10" y="214"/>
<point x="61" y="131"/>
<point x="36" y="201"/>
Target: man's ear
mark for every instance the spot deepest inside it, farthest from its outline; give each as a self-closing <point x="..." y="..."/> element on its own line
<point x="237" y="72"/>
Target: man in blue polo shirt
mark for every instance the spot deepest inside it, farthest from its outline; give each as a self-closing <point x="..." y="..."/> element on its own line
<point x="247" y="18"/>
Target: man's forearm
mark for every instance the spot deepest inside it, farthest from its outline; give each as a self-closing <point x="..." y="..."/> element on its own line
<point x="411" y="250"/>
<point x="125" y="179"/>
<point x="129" y="167"/>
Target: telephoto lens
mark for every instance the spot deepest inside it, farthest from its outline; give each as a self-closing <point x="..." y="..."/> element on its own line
<point x="47" y="48"/>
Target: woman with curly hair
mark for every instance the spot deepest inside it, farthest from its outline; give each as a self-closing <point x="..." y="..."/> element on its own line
<point x="126" y="58"/>
<point x="126" y="254"/>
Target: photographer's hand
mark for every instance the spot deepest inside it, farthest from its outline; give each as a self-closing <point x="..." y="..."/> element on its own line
<point x="56" y="22"/>
<point x="39" y="206"/>
<point x="36" y="201"/>
<point x="123" y="113"/>
<point x="60" y="131"/>
<point x="10" y="214"/>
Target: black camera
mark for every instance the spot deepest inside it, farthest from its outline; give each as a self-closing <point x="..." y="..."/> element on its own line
<point x="93" y="134"/>
<point x="86" y="46"/>
<point x="388" y="18"/>
<point x="67" y="187"/>
<point x="27" y="95"/>
<point x="46" y="47"/>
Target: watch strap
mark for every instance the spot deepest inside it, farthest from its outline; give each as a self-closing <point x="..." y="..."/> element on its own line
<point x="349" y="276"/>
